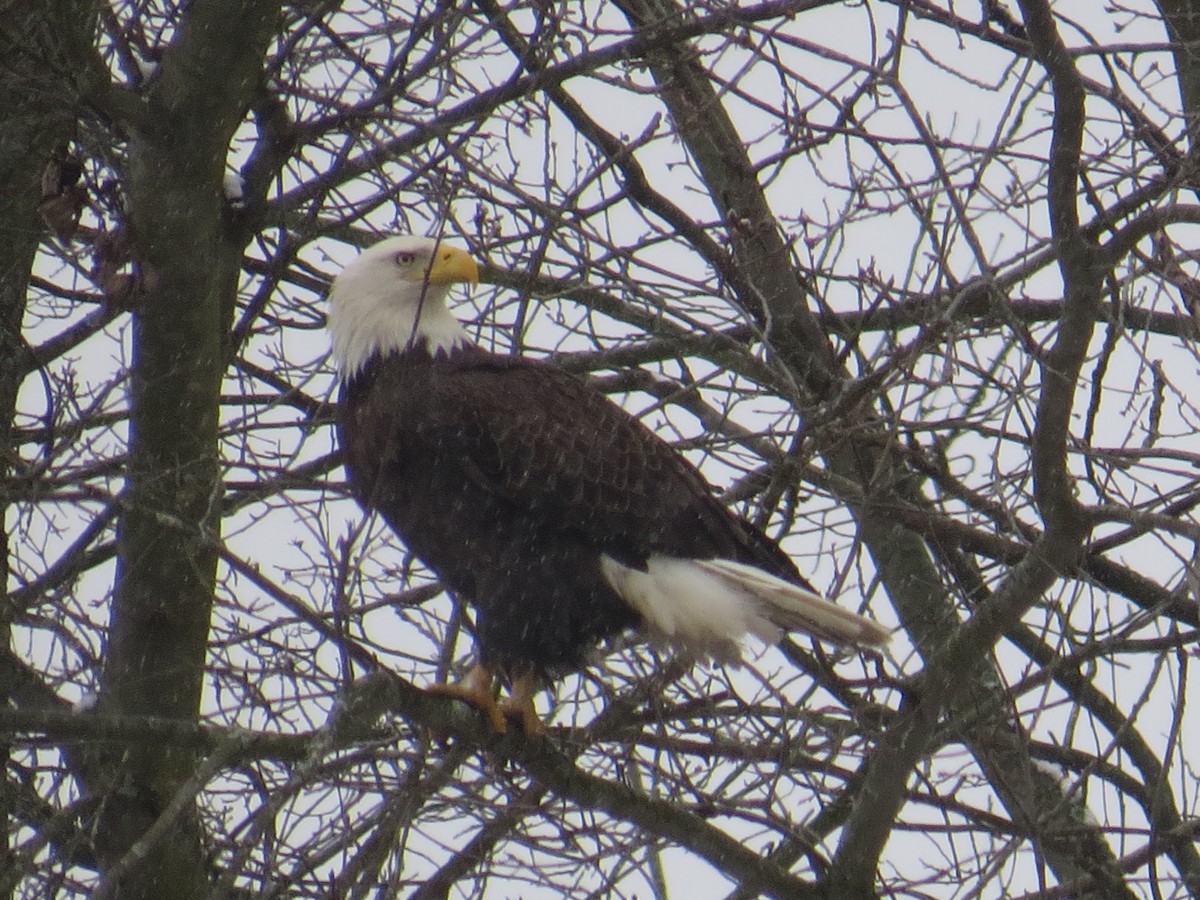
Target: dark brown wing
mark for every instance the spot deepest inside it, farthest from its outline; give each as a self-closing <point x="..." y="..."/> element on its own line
<point x="544" y="440"/>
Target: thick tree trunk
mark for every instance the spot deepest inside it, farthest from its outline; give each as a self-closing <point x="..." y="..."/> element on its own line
<point x="185" y="271"/>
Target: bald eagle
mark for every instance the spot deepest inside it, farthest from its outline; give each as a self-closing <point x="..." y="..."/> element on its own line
<point x="555" y="514"/>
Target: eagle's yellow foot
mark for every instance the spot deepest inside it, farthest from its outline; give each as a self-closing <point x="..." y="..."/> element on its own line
<point x="519" y="705"/>
<point x="477" y="689"/>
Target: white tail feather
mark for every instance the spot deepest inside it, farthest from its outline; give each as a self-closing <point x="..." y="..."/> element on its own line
<point x="708" y="606"/>
<point x="794" y="608"/>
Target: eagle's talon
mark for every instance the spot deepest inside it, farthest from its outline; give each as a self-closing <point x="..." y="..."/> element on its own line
<point x="519" y="706"/>
<point x="477" y="689"/>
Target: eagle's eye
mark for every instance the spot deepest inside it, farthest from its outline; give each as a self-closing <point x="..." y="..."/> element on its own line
<point x="404" y="259"/>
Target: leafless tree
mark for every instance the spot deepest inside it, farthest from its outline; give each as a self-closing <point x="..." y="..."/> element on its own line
<point x="911" y="281"/>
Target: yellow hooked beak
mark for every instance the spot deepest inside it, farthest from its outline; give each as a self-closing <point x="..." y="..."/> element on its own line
<point x="452" y="265"/>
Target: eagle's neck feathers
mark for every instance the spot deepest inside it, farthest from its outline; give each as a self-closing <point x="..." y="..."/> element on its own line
<point x="391" y="319"/>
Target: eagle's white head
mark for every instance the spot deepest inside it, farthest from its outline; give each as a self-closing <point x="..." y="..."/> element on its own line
<point x="393" y="297"/>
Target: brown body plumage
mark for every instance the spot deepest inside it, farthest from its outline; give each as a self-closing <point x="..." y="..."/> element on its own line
<point x="485" y="473"/>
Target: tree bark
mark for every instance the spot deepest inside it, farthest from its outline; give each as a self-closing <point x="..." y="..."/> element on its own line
<point x="185" y="269"/>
